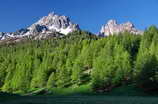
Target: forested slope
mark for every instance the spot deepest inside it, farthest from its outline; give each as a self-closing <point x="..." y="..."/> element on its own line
<point x="81" y="58"/>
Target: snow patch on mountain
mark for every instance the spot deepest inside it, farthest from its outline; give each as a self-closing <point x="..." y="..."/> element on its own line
<point x="48" y="24"/>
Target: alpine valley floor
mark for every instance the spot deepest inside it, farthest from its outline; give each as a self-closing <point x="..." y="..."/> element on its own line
<point x="81" y="100"/>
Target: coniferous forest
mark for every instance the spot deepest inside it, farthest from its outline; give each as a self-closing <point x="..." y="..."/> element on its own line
<point x="81" y="58"/>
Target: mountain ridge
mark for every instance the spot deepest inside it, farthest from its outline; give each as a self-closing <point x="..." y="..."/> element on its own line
<point x="51" y="24"/>
<point x="54" y="25"/>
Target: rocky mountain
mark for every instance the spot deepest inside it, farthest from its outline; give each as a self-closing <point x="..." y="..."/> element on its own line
<point x="55" y="25"/>
<point x="51" y="25"/>
<point x="112" y="28"/>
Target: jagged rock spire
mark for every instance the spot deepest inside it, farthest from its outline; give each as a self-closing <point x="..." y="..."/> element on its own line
<point x="113" y="28"/>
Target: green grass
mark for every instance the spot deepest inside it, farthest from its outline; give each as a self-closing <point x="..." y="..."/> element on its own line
<point x="81" y="99"/>
<point x="84" y="89"/>
<point x="129" y="90"/>
<point x="82" y="95"/>
<point x="7" y="96"/>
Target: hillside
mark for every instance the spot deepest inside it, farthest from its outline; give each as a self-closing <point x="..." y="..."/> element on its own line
<point x="81" y="58"/>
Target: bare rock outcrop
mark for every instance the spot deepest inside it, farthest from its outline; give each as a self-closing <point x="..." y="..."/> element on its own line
<point x="112" y="28"/>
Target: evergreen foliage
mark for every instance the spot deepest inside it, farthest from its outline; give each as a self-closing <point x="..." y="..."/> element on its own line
<point x="81" y="58"/>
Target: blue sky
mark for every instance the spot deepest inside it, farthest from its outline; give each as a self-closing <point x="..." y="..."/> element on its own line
<point x="89" y="14"/>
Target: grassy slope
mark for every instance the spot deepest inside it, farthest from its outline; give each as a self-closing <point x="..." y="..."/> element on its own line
<point x="78" y="99"/>
<point x="83" y="95"/>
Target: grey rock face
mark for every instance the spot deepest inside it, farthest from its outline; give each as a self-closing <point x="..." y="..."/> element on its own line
<point x="54" y="20"/>
<point x="112" y="28"/>
<point x="36" y="29"/>
<point x="1" y="34"/>
<point x="61" y="24"/>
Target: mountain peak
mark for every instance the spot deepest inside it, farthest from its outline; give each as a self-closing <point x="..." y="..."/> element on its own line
<point x="58" y="23"/>
<point x="112" y="28"/>
<point x="53" y="23"/>
<point x="51" y="14"/>
<point x="112" y="22"/>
